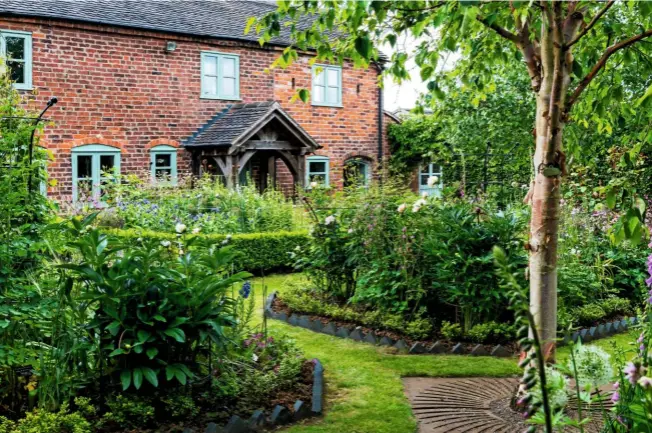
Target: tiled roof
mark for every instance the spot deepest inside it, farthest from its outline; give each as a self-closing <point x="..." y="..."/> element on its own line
<point x="217" y="19"/>
<point x="236" y="123"/>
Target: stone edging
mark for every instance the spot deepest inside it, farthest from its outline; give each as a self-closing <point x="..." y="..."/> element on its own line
<point x="261" y="421"/>
<point x="438" y="348"/>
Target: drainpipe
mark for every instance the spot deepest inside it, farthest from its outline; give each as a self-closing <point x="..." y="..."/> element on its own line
<point x="380" y="132"/>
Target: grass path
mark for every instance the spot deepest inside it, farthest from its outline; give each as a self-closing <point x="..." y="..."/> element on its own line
<point x="364" y="388"/>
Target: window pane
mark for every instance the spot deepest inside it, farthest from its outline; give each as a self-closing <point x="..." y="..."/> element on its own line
<point x="228" y="87"/>
<point x="333" y="77"/>
<point x="163" y="160"/>
<point x="84" y="166"/>
<point x="424" y="179"/>
<point x="210" y="85"/>
<point x="333" y="95"/>
<point x="15" y="48"/>
<point x="318" y="95"/>
<point x="107" y="162"/>
<point x="210" y="65"/>
<point x="163" y="173"/>
<point x="317" y="167"/>
<point x="228" y="67"/>
<point x="318" y="78"/>
<point x="319" y="178"/>
<point x="16" y="71"/>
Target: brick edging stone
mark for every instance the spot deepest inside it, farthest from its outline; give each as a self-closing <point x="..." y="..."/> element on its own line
<point x="280" y="415"/>
<point x="438" y="348"/>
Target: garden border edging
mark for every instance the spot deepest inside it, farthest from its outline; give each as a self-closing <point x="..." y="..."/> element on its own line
<point x="280" y="415"/>
<point x="438" y="348"/>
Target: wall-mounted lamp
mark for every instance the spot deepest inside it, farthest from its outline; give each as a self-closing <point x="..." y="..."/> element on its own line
<point x="170" y="46"/>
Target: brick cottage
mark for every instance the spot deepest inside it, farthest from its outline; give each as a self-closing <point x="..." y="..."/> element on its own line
<point x="175" y="87"/>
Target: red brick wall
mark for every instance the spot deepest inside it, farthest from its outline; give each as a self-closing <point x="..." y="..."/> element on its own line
<point x="119" y="87"/>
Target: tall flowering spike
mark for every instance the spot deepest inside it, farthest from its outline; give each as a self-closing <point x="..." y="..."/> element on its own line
<point x="245" y="290"/>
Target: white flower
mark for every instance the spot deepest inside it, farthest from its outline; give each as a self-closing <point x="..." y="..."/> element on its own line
<point x="415" y="208"/>
<point x="424" y="195"/>
<point x="557" y="393"/>
<point x="420" y="202"/>
<point x="350" y="231"/>
<point x="314" y="184"/>
<point x="432" y="181"/>
<point x="180" y="228"/>
<point x="180" y="252"/>
<point x="401" y="208"/>
<point x="165" y="243"/>
<point x="329" y="220"/>
<point x="254" y="357"/>
<point x="593" y="366"/>
<point x="225" y="241"/>
<point x="228" y="237"/>
<point x="196" y="230"/>
<point x="297" y="248"/>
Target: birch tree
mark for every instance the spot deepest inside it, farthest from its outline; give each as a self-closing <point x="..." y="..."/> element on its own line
<point x="564" y="47"/>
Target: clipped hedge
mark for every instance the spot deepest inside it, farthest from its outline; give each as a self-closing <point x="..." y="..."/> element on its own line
<point x="256" y="252"/>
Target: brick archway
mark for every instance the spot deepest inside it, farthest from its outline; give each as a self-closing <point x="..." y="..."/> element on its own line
<point x="162" y="142"/>
<point x="93" y="139"/>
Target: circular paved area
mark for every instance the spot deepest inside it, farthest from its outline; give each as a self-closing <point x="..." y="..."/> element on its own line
<point x="467" y="405"/>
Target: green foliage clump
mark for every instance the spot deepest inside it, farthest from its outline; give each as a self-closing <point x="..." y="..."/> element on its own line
<point x="491" y="332"/>
<point x="452" y="331"/>
<point x="613" y="306"/>
<point x="40" y="421"/>
<point x="253" y="251"/>
<point x="589" y="313"/>
<point x="129" y="412"/>
<point x="180" y="406"/>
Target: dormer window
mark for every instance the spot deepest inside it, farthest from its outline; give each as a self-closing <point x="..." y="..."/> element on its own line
<point x="220" y="76"/>
<point x="16" y="50"/>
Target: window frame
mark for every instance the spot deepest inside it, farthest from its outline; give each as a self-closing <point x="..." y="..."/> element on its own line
<point x="318" y="158"/>
<point x="219" y="77"/>
<point x="362" y="161"/>
<point x="428" y="170"/>
<point x="27" y="48"/>
<point x="164" y="149"/>
<point x="326" y="85"/>
<point x="96" y="151"/>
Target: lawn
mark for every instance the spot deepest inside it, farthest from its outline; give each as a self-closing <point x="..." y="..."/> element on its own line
<point x="364" y="388"/>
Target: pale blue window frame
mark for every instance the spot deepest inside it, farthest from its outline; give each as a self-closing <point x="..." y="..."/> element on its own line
<point x="95" y="152"/>
<point x="215" y="75"/>
<point x="159" y="165"/>
<point x="327" y="85"/>
<point x="426" y="171"/>
<point x="26" y="58"/>
<point x="314" y="174"/>
<point x="363" y="166"/>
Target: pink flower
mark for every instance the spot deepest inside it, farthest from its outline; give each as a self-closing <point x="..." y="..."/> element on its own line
<point x="633" y="372"/>
<point x="615" y="397"/>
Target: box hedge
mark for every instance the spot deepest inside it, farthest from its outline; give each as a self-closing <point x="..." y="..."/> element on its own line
<point x="256" y="252"/>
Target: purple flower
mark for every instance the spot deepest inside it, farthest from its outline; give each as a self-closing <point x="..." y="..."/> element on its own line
<point x="615" y="397"/>
<point x="633" y="372"/>
<point x="245" y="290"/>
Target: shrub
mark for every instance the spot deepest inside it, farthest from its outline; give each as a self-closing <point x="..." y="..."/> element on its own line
<point x="180" y="406"/>
<point x="614" y="306"/>
<point x="491" y="332"/>
<point x="63" y="421"/>
<point x="129" y="412"/>
<point x="589" y="314"/>
<point x="419" y="329"/>
<point x="254" y="251"/>
<point x="451" y="331"/>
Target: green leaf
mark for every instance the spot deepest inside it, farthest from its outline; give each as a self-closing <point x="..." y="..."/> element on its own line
<point x="125" y="378"/>
<point x="143" y="336"/>
<point x="116" y="352"/>
<point x="363" y="46"/>
<point x="150" y="376"/>
<point x="180" y="376"/>
<point x="250" y="22"/>
<point x="152" y="352"/>
<point x="113" y="328"/>
<point x="577" y="69"/>
<point x="176" y="333"/>
<point x="138" y="378"/>
<point x="611" y="198"/>
<point x="304" y="95"/>
<point x="170" y="370"/>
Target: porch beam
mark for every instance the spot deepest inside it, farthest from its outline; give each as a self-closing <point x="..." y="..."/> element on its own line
<point x="268" y="145"/>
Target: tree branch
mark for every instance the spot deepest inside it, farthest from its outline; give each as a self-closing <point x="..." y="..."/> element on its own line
<point x="590" y="25"/>
<point x="500" y="30"/>
<point x="601" y="63"/>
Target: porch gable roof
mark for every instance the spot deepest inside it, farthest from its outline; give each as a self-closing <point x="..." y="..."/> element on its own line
<point x="232" y="127"/>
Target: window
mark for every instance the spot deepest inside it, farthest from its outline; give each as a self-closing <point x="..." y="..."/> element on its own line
<point x="220" y="76"/>
<point x="425" y="173"/>
<point x="317" y="170"/>
<point x="327" y="85"/>
<point x="164" y="164"/>
<point x="357" y="172"/>
<point x="16" y="50"/>
<point x="93" y="165"/>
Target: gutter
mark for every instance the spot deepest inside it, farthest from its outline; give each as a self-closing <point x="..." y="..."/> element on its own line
<point x="380" y="129"/>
